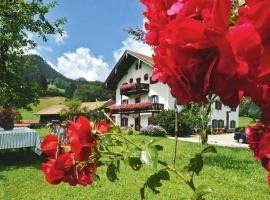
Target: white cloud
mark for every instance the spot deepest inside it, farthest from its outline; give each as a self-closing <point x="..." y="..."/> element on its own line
<point x="82" y="63"/>
<point x="60" y="39"/>
<point x="39" y="49"/>
<point x="133" y="45"/>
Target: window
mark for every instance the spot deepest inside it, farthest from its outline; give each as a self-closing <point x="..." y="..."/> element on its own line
<point x="140" y="64"/>
<point x="218" y="105"/>
<point x="220" y="124"/>
<point x="233" y="124"/>
<point x="146" y="77"/>
<point x="154" y="98"/>
<point x="131" y="80"/>
<point x="138" y="80"/>
<point x="124" y="101"/>
<point x="233" y="109"/>
<point x="214" y="123"/>
<point x="124" y="122"/>
<point x="137" y="66"/>
<point x="138" y="100"/>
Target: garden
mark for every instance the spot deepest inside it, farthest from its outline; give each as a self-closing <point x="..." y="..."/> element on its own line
<point x="232" y="173"/>
<point x="205" y="51"/>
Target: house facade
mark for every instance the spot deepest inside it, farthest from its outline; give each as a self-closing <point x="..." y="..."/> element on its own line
<point x="138" y="98"/>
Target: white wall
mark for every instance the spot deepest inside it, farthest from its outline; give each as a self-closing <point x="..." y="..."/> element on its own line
<point x="221" y="114"/>
<point x="165" y="97"/>
<point x="160" y="89"/>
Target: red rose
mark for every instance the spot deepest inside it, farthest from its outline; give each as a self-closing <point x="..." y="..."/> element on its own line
<point x="254" y="134"/>
<point x="264" y="146"/>
<point x="56" y="169"/>
<point x="81" y="139"/>
<point x="49" y="145"/>
<point x="86" y="175"/>
<point x="102" y="127"/>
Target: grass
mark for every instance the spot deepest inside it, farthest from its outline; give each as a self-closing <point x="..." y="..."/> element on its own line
<point x="244" y="121"/>
<point x="52" y="86"/>
<point x="232" y="173"/>
<point x="44" y="103"/>
<point x="42" y="131"/>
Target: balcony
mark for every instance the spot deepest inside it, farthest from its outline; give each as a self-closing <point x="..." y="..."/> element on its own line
<point x="129" y="89"/>
<point x="137" y="108"/>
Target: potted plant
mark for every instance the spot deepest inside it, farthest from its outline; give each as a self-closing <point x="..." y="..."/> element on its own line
<point x="7" y="118"/>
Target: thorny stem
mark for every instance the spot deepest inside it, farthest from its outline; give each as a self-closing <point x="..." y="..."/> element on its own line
<point x="128" y="140"/>
<point x="172" y="169"/>
<point x="108" y="117"/>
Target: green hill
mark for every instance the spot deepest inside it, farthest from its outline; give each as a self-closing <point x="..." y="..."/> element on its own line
<point x="57" y="84"/>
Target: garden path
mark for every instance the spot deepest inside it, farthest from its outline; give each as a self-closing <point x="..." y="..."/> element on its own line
<point x="225" y="140"/>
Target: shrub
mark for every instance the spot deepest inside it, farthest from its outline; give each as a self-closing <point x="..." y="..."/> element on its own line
<point x="166" y="119"/>
<point x="154" y="130"/>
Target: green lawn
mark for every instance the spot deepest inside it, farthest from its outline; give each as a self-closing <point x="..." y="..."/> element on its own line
<point x="44" y="103"/>
<point x="52" y="86"/>
<point x="233" y="174"/>
<point x="244" y="121"/>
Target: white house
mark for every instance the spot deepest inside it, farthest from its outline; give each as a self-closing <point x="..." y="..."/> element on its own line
<point x="138" y="98"/>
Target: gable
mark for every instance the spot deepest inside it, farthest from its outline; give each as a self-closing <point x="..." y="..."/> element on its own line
<point x="122" y="66"/>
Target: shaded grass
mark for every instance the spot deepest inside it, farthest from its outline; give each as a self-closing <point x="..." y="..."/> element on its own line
<point x="245" y="121"/>
<point x="232" y="173"/>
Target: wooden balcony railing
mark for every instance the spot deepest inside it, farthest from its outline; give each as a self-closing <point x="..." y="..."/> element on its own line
<point x="137" y="108"/>
<point x="134" y="88"/>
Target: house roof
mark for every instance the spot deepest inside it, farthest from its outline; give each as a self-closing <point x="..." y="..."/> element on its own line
<point x="56" y="109"/>
<point x="52" y="110"/>
<point x="123" y="65"/>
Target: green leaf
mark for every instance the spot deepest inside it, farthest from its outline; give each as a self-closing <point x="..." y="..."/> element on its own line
<point x="195" y="164"/>
<point x="135" y="163"/>
<point x="201" y="191"/>
<point x="154" y="182"/>
<point x="112" y="172"/>
<point x="150" y="156"/>
<point x="209" y="149"/>
<point x="159" y="147"/>
<point x="106" y="140"/>
<point x="114" y="129"/>
<point x="100" y="106"/>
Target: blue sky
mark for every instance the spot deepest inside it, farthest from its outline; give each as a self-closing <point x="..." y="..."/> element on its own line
<point x="94" y="36"/>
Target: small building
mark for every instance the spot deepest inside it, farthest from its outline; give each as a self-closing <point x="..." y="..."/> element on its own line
<point x="138" y="98"/>
<point x="53" y="112"/>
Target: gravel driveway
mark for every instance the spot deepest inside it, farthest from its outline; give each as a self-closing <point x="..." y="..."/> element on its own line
<point x="225" y="140"/>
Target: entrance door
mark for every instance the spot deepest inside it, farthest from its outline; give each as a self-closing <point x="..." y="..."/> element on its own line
<point x="137" y="123"/>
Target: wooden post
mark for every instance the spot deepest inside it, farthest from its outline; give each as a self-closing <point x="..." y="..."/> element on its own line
<point x="176" y="134"/>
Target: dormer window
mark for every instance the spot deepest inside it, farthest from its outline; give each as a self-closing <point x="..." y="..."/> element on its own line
<point x="218" y="105"/>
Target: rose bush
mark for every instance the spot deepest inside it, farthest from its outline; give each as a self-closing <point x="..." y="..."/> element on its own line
<point x="71" y="162"/>
<point x="202" y="45"/>
<point x="90" y="145"/>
